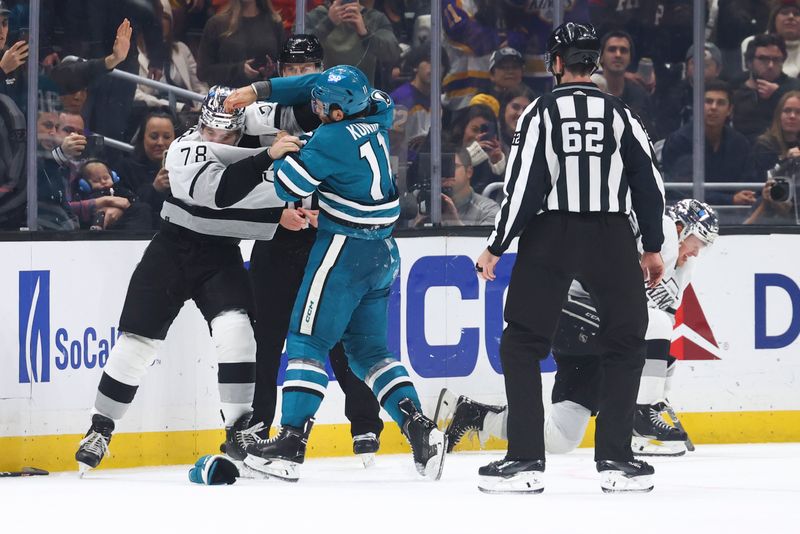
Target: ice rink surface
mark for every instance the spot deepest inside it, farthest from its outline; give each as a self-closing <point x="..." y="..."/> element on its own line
<point x="716" y="489"/>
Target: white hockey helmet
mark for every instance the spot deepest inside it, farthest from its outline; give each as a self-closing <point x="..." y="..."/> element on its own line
<point x="697" y="218"/>
<point x="213" y="112"/>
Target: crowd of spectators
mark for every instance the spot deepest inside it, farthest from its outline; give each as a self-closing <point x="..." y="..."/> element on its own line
<point x="492" y="59"/>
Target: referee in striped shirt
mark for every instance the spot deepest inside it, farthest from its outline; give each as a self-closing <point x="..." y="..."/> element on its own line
<point x="580" y="162"/>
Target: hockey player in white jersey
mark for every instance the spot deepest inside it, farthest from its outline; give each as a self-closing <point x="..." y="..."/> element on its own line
<point x="195" y="255"/>
<point x="689" y="227"/>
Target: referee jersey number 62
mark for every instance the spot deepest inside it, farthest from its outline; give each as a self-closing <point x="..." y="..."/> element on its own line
<point x="578" y="149"/>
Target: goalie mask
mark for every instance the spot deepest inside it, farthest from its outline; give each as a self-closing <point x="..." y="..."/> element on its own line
<point x="213" y="114"/>
<point x="697" y="218"/>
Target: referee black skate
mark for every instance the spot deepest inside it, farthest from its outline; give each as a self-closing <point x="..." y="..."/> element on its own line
<point x="580" y="162"/>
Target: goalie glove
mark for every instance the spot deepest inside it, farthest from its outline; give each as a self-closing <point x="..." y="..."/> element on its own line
<point x="213" y="470"/>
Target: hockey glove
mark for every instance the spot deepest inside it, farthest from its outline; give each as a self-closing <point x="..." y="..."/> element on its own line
<point x="213" y="470"/>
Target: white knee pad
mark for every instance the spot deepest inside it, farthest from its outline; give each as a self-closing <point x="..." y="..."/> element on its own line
<point x="130" y="358"/>
<point x="565" y="427"/>
<point x="233" y="337"/>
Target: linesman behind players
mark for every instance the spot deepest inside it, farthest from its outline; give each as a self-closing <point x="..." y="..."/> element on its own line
<point x="579" y="162"/>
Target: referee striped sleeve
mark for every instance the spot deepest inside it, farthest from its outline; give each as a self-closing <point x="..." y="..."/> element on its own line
<point x="646" y="185"/>
<point x="525" y="180"/>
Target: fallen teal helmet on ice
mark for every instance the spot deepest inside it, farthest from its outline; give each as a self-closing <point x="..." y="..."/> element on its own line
<point x="345" y="86"/>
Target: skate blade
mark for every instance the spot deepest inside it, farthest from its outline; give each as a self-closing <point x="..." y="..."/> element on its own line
<point x="642" y="446"/>
<point x="530" y="483"/>
<point x="274" y="468"/>
<point x="83" y="469"/>
<point x="367" y="459"/>
<point x="445" y="407"/>
<point x="435" y="464"/>
<point x="617" y="482"/>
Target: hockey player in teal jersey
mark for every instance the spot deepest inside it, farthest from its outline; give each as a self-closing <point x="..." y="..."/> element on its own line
<point x="345" y="289"/>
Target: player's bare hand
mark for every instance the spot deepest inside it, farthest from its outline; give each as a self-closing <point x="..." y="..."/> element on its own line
<point x="122" y="45"/>
<point x="240" y="98"/>
<point x="486" y="264"/>
<point x="652" y="268"/>
<point x="293" y="220"/>
<point x="73" y="145"/>
<point x="14" y="57"/>
<point x="311" y="216"/>
<point x="283" y="146"/>
<point x="161" y="181"/>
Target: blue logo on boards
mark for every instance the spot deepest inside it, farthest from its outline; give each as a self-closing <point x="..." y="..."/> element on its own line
<point x="87" y="350"/>
<point x="34" y="326"/>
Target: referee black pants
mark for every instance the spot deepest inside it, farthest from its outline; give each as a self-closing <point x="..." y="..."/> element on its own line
<point x="276" y="270"/>
<point x="599" y="250"/>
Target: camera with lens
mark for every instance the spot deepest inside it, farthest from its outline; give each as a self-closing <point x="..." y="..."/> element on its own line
<point x="448" y="167"/>
<point x="783" y="178"/>
<point x="781" y="190"/>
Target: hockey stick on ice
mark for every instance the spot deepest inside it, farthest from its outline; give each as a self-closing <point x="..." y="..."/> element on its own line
<point x="25" y="472"/>
<point x="679" y="426"/>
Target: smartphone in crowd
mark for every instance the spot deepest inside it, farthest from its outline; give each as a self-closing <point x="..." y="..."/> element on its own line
<point x="489" y="131"/>
<point x="94" y="145"/>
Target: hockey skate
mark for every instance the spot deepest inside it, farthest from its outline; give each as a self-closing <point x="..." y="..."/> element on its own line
<point x="281" y="456"/>
<point x="617" y="477"/>
<point x="469" y="416"/>
<point x="428" y="443"/>
<point x="94" y="446"/>
<point x="365" y="446"/>
<point x="512" y="476"/>
<point x="238" y="436"/>
<point x="653" y="436"/>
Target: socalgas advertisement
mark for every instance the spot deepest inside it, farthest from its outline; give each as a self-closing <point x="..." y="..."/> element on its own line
<point x="736" y="333"/>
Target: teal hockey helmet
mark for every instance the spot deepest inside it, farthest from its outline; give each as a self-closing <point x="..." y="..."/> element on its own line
<point x="345" y="86"/>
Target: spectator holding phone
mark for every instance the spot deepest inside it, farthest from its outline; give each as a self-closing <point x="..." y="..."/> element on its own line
<point x="475" y="130"/>
<point x="240" y="43"/>
<point x="12" y="58"/>
<point x="353" y="34"/>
